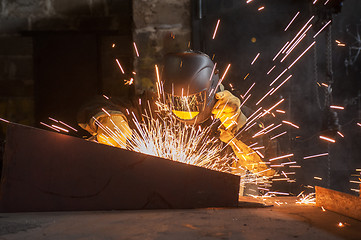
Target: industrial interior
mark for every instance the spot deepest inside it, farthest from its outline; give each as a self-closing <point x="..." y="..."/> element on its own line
<point x="180" y="119"/>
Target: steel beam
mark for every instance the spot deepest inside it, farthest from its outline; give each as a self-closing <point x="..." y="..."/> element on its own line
<point x="48" y="171"/>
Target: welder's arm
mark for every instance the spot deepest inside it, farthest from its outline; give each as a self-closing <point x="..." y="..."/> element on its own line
<point x="110" y="129"/>
<point x="247" y="157"/>
<point x="227" y="109"/>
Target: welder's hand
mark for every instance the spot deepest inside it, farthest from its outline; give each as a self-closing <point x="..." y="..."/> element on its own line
<point x="225" y="135"/>
<point x="113" y="130"/>
<point x="247" y="157"/>
<point x="227" y="109"/>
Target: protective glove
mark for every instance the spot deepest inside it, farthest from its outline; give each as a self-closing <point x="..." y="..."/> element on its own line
<point x="227" y="109"/>
<point x="112" y="130"/>
<point x="247" y="157"/>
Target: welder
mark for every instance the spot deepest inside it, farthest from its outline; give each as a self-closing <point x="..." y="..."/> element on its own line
<point x="194" y="95"/>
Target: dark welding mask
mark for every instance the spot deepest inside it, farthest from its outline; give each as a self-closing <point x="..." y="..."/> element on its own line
<point x="189" y="83"/>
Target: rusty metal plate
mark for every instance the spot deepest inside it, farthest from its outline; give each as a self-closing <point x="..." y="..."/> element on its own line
<point x="47" y="171"/>
<point x="339" y="202"/>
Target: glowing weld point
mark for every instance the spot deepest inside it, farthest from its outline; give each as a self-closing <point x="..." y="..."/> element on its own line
<point x="216" y="28"/>
<point x="337" y="107"/>
<point x="289" y="123"/>
<point x="292" y="21"/>
<point x="120" y="66"/>
<point x="255" y="58"/>
<point x="261" y="8"/>
<point x="113" y="45"/>
<point x="327" y="139"/>
<point x="136" y="49"/>
<point x="340" y="224"/>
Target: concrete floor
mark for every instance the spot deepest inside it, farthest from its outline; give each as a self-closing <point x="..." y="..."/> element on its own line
<point x="287" y="221"/>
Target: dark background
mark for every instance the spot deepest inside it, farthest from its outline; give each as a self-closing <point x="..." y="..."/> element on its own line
<point x="307" y="103"/>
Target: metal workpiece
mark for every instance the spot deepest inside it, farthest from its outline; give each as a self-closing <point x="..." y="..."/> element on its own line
<point x="48" y="171"/>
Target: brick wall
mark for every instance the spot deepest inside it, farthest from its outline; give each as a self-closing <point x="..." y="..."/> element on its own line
<point x="160" y="27"/>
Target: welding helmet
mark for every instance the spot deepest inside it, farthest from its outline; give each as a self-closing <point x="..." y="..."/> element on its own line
<point x="189" y="84"/>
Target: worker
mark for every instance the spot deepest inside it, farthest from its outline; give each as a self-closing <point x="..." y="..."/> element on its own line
<point x="193" y="94"/>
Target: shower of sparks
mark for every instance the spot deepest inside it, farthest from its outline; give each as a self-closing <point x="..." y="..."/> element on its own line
<point x="292" y="21"/>
<point x="224" y="75"/>
<point x="261" y="8"/>
<point x="264" y="96"/>
<point x="129" y="82"/>
<point x="60" y="128"/>
<point x="322" y="29"/>
<point x="281" y="157"/>
<point x="323" y="209"/>
<point x="106" y="97"/>
<point x="307" y="199"/>
<point x="249" y="89"/>
<point x="291" y="124"/>
<point x="298" y="34"/>
<point x="317" y="155"/>
<point x="246" y="76"/>
<point x="46" y="125"/>
<point x="280" y="75"/>
<point x="113" y="45"/>
<point x="302" y="54"/>
<point x="271" y="70"/>
<point x="120" y="66"/>
<point x="248" y="1"/>
<point x="281" y="84"/>
<point x="326" y="2"/>
<point x="216" y="28"/>
<point x="280" y="111"/>
<point x="278" y="135"/>
<point x="327" y="139"/>
<point x="359" y="124"/>
<point x="314" y="2"/>
<point x="3" y="120"/>
<point x="136" y="49"/>
<point x="340" y="134"/>
<point x="254" y="60"/>
<point x="337" y="107"/>
<point x="318" y="178"/>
